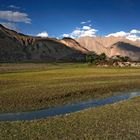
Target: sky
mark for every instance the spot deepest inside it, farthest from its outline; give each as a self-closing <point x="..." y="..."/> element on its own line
<point x="72" y="18"/>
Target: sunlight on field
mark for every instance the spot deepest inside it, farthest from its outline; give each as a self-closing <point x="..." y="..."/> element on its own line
<point x="33" y="87"/>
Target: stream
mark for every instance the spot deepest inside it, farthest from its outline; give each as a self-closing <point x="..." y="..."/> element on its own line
<point x="67" y="109"/>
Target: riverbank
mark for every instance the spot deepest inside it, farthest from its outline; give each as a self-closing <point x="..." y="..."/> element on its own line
<point x="67" y="109"/>
<point x="117" y="122"/>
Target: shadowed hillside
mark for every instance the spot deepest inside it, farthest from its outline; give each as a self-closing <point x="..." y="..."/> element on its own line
<point x="125" y="49"/>
<point x="16" y="47"/>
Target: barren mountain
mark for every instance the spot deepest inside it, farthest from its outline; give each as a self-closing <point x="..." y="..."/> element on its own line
<point x="93" y="45"/>
<point x="126" y="49"/>
<point x="111" y="46"/>
<point x="74" y="44"/>
<point x="18" y="47"/>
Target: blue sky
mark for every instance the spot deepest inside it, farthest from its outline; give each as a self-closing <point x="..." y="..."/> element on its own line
<point x="58" y="17"/>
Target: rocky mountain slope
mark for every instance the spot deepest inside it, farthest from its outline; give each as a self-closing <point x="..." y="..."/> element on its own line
<point x="74" y="44"/>
<point x="16" y="47"/>
<point x="112" y="46"/>
<point x="126" y="49"/>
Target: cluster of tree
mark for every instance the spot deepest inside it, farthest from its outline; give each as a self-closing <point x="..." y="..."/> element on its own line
<point x="95" y="58"/>
<point x="102" y="58"/>
<point x="119" y="58"/>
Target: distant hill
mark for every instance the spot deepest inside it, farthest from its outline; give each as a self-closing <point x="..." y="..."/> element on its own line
<point x="126" y="49"/>
<point x="112" y="46"/>
<point x="17" y="47"/>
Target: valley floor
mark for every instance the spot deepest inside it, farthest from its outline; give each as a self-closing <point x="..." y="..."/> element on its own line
<point x="27" y="87"/>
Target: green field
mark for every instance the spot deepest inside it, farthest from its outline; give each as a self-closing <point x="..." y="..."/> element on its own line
<point x="25" y="87"/>
<point x="28" y="87"/>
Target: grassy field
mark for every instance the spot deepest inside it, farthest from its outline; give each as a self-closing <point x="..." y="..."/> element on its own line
<point x="112" y="122"/>
<point x="25" y="87"/>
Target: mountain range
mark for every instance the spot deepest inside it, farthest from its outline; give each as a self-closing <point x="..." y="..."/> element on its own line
<point x="17" y="47"/>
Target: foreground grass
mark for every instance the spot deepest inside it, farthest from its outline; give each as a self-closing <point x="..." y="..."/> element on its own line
<point x="120" y="121"/>
<point x="25" y="87"/>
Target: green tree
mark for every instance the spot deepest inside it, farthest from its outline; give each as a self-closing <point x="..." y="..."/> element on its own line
<point x="91" y="57"/>
<point x="102" y="57"/>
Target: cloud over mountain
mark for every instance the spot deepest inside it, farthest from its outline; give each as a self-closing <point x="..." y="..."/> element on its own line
<point x="15" y="16"/>
<point x="9" y="25"/>
<point x="43" y="34"/>
<point x="133" y="35"/>
<point x="82" y="32"/>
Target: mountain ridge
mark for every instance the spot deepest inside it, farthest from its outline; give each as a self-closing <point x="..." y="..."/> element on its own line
<point x="107" y="44"/>
<point x="17" y="47"/>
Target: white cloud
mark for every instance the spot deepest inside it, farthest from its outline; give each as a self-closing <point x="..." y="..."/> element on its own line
<point x="118" y="34"/>
<point x="9" y="25"/>
<point x="14" y="16"/>
<point x="43" y="34"/>
<point x="82" y="32"/>
<point x="85" y="30"/>
<point x="86" y="27"/>
<point x="134" y="31"/>
<point x="13" y="7"/>
<point x="66" y="35"/>
<point x="132" y="35"/>
<point x="85" y="22"/>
